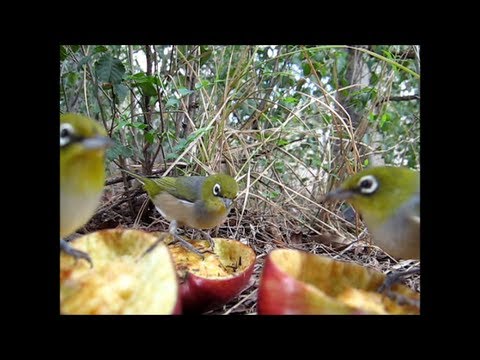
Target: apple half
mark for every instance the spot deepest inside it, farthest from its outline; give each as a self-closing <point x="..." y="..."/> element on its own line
<point x="297" y="282"/>
<point x="218" y="278"/>
<point x="124" y="279"/>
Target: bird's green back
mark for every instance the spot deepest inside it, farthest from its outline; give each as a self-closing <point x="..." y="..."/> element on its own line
<point x="183" y="187"/>
<point x="190" y="188"/>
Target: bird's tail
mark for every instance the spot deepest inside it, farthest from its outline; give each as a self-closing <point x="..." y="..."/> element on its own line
<point x="138" y="177"/>
<point x="148" y="184"/>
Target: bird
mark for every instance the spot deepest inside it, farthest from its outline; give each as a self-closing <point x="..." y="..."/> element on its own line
<point x="83" y="143"/>
<point x="198" y="202"/>
<point x="388" y="198"/>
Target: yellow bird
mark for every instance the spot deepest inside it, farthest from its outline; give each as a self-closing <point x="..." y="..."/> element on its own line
<point x="199" y="202"/>
<point x="388" y="198"/>
<point x="82" y="174"/>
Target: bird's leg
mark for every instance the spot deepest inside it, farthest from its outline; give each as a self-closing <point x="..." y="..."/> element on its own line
<point x="401" y="299"/>
<point x="210" y="240"/>
<point x="153" y="246"/>
<point x="392" y="279"/>
<point x="173" y="231"/>
<point x="77" y="254"/>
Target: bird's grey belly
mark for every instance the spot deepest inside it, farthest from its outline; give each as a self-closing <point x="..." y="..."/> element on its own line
<point x="184" y="212"/>
<point x="400" y="236"/>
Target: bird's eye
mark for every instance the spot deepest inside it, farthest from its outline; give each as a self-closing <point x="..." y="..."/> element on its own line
<point x="66" y="132"/>
<point x="368" y="184"/>
<point x="216" y="189"/>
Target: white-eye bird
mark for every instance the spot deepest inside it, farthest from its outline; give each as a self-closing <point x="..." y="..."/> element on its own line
<point x="388" y="198"/>
<point x="82" y="174"/>
<point x="198" y="202"/>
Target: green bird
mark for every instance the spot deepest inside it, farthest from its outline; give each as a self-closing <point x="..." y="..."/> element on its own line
<point x="82" y="174"/>
<point x="388" y="198"/>
<point x="198" y="202"/>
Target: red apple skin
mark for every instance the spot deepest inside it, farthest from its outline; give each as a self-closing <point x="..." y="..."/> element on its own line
<point x="297" y="282"/>
<point x="178" y="307"/>
<point x="201" y="294"/>
<point x="279" y="293"/>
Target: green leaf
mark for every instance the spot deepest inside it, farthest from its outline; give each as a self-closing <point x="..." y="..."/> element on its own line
<point x="282" y="142"/>
<point x="341" y="62"/>
<point x="202" y="84"/>
<point x="286" y="81"/>
<point x="307" y="70"/>
<point x="147" y="89"/>
<point x="150" y="136"/>
<point x="122" y="123"/>
<point x="63" y="52"/>
<point x="72" y="78"/>
<point x="172" y="102"/>
<point x="272" y="194"/>
<point x="196" y="134"/>
<point x="145" y="83"/>
<point x="139" y="125"/>
<point x="109" y="69"/>
<point x="120" y="91"/>
<point x="141" y="77"/>
<point x="205" y="54"/>
<point x="280" y="167"/>
<point x="99" y="49"/>
<point x="291" y="100"/>
<point x="118" y="150"/>
<point x="138" y="77"/>
<point x="171" y="156"/>
<point x="184" y="91"/>
<point x="177" y="149"/>
<point x="384" y="119"/>
<point x="83" y="61"/>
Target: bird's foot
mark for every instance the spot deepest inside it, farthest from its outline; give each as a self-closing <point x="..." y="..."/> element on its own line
<point x="188" y="246"/>
<point x="151" y="247"/>
<point x="394" y="278"/>
<point x="163" y="237"/>
<point x="211" y="248"/>
<point x="76" y="254"/>
<point x="402" y="299"/>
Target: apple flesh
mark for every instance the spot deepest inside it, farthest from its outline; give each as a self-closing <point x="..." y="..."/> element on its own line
<point x="297" y="282"/>
<point x="124" y="279"/>
<point x="218" y="278"/>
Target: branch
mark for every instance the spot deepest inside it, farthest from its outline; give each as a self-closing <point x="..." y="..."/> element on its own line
<point x="400" y="98"/>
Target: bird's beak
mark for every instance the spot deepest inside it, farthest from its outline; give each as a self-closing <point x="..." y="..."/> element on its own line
<point x="97" y="142"/>
<point x="339" y="194"/>
<point x="227" y="202"/>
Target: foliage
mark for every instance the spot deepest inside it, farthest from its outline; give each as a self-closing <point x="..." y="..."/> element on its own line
<point x="280" y="117"/>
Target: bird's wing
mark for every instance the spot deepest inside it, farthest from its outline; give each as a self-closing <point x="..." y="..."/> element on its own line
<point x="184" y="188"/>
<point x="412" y="209"/>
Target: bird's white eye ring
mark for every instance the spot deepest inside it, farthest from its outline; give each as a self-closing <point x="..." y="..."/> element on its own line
<point x="368" y="184"/>
<point x="66" y="132"/>
<point x="216" y="190"/>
